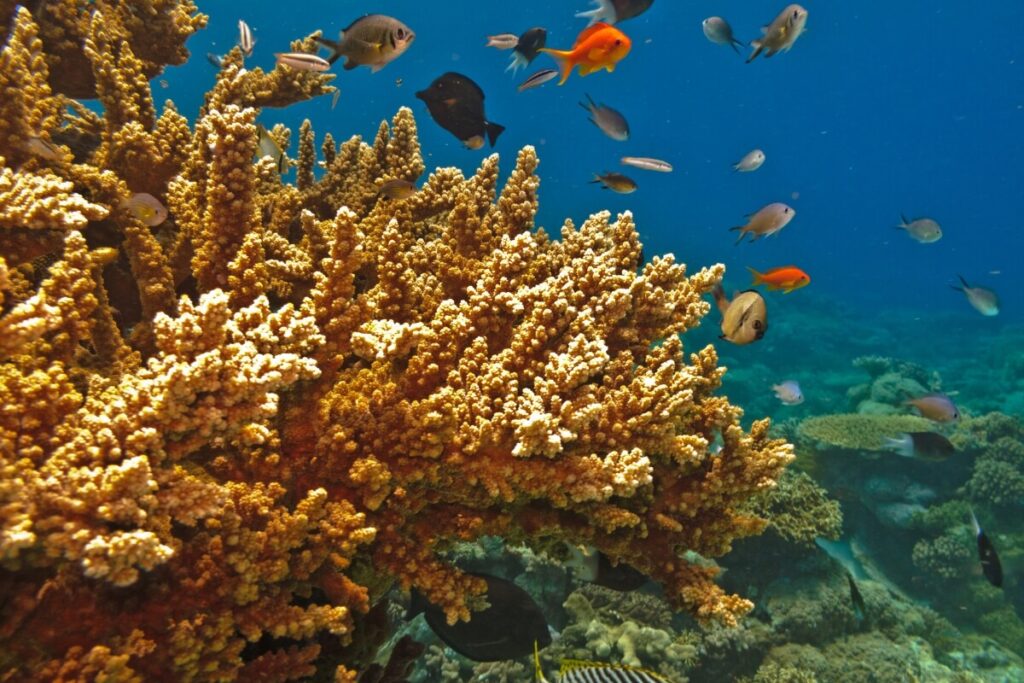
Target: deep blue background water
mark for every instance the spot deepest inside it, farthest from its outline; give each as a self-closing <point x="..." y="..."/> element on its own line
<point x="881" y="108"/>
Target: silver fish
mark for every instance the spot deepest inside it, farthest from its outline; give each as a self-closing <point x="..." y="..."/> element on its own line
<point x="503" y="41"/>
<point x="781" y="33"/>
<point x="923" y="230"/>
<point x="302" y="61"/>
<point x="718" y="31"/>
<point x="647" y="163"/>
<point x="245" y="39"/>
<point x="374" y="40"/>
<point x="751" y="161"/>
<point x="612" y="123"/>
<point x="983" y="300"/>
<point x="539" y="78"/>
<point x="789" y="392"/>
<point x="767" y="221"/>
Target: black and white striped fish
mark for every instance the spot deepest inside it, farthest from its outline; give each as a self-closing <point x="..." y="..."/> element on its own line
<point x="580" y="671"/>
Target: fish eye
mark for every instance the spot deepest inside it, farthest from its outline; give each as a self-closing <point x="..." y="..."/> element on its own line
<point x="757" y="324"/>
<point x="618" y="42"/>
<point x="400" y="33"/>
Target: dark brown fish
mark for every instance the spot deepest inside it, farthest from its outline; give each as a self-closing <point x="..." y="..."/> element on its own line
<point x="924" y="445"/>
<point x="991" y="567"/>
<point x="616" y="182"/>
<point x="506" y="629"/>
<point x="456" y="103"/>
<point x="612" y="11"/>
<point x="374" y="40"/>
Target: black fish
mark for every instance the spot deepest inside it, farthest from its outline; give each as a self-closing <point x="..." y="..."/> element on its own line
<point x="924" y="445"/>
<point x="507" y="629"/>
<point x="620" y="577"/>
<point x="991" y="567"/>
<point x="612" y="11"/>
<point x="859" y="609"/>
<point x="456" y="103"/>
<point x="528" y="48"/>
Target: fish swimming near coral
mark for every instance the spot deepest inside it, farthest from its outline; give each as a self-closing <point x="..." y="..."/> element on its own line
<point x="936" y="407"/>
<point x="767" y="220"/>
<point x="991" y="567"/>
<point x="923" y="445"/>
<point x="744" y="319"/>
<point x="146" y="208"/>
<point x="983" y="300"/>
<point x="608" y="120"/>
<point x="593" y="566"/>
<point x="786" y="278"/>
<point x="508" y="628"/>
<point x="580" y="671"/>
<point x="302" y="61"/>
<point x="600" y="46"/>
<point x="616" y="182"/>
<point x="789" y="392"/>
<point x="781" y="33"/>
<point x="374" y="40"/>
<point x="397" y="189"/>
<point x="527" y="48"/>
<point x="456" y="103"/>
<point x="857" y="600"/>
<point x="613" y="11"/>
<point x="268" y="147"/>
<point x="245" y="39"/>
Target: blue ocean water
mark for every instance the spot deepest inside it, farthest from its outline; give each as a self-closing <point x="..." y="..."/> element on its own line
<point x="880" y="109"/>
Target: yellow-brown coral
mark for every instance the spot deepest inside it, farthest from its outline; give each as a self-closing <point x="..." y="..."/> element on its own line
<point x="860" y="432"/>
<point x="210" y="432"/>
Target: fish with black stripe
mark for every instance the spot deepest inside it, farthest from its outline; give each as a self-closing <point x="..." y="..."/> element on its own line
<point x="581" y="671"/>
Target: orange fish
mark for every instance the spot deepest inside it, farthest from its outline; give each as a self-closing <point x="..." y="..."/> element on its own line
<point x="597" y="47"/>
<point x="786" y="278"/>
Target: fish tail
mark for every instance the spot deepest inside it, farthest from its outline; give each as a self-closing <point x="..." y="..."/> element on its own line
<point x="565" y="64"/>
<point x="963" y="281"/>
<point x="903" y="220"/>
<point x="758" y="277"/>
<point x="493" y="131"/>
<point x="333" y="46"/>
<point x="719" y="295"/>
<point x="538" y="672"/>
<point x="736" y="45"/>
<point x="758" y="46"/>
<point x="589" y="105"/>
<point x="743" y="232"/>
<point x="903" y="446"/>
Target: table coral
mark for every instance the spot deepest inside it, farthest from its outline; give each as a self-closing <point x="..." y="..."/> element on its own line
<point x="225" y="437"/>
<point x="860" y="432"/>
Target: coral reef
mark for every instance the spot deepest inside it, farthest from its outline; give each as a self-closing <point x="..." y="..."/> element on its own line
<point x="798" y="509"/>
<point x="859" y="432"/>
<point x="224" y="437"/>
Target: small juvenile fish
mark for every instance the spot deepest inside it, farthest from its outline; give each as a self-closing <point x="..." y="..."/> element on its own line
<point x="789" y="392"/>
<point x="580" y="671"/>
<point x="647" y="163"/>
<point x="538" y="79"/>
<point x="718" y="31"/>
<point x="781" y="33"/>
<point x="146" y="208"/>
<point x="44" y="149"/>
<point x="750" y="162"/>
<point x="616" y="182"/>
<point x="268" y="147"/>
<point x="610" y="122"/>
<point x="245" y="39"/>
<point x="503" y="41"/>
<point x="983" y="300"/>
<point x="990" y="564"/>
<point x="527" y="48"/>
<point x="924" y="445"/>
<point x="935" y="407"/>
<point x="374" y="40"/>
<point x="597" y="47"/>
<point x="744" y="319"/>
<point x="302" y="61"/>
<point x="215" y="59"/>
<point x="766" y="221"/>
<point x="335" y="97"/>
<point x="613" y="11"/>
<point x="397" y="189"/>
<point x="786" y="278"/>
<point x="923" y="230"/>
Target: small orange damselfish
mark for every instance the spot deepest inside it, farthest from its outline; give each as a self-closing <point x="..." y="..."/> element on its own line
<point x="597" y="47"/>
<point x="786" y="278"/>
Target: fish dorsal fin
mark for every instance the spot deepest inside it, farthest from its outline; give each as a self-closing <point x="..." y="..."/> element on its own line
<point x="764" y="30"/>
<point x="591" y="30"/>
<point x="624" y="671"/>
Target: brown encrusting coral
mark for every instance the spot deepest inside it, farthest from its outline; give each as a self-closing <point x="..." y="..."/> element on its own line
<point x="307" y="392"/>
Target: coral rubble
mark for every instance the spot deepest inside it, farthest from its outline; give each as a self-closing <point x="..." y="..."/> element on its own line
<point x="225" y="436"/>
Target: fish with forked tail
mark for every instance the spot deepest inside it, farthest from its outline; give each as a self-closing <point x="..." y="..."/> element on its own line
<point x="456" y="103"/>
<point x="374" y="40"/>
<point x="780" y="35"/>
<point x="768" y="220"/>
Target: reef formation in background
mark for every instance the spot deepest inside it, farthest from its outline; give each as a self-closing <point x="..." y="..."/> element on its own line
<point x="225" y="436"/>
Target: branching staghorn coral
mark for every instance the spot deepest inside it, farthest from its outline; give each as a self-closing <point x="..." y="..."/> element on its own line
<point x="312" y="390"/>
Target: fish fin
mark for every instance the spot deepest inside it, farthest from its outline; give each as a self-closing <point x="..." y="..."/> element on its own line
<point x="331" y="45"/>
<point x="736" y="44"/>
<point x="518" y="62"/>
<point x="764" y="30"/>
<point x="565" y="63"/>
<point x="743" y="233"/>
<point x="349" y="64"/>
<point x="587" y="69"/>
<point x="758" y="46"/>
<point x="538" y="673"/>
<point x="963" y="281"/>
<point x="376" y="67"/>
<point x="589" y="105"/>
<point x="493" y="131"/>
<point x="604" y="10"/>
<point x="758" y="277"/>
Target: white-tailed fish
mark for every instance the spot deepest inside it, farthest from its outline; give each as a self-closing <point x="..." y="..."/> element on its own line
<point x="527" y="47"/>
<point x="612" y="11"/>
<point x="789" y="392"/>
<point x="538" y="79"/>
<point x="302" y="61"/>
<point x="647" y="163"/>
<point x="991" y="567"/>
<point x="983" y="300"/>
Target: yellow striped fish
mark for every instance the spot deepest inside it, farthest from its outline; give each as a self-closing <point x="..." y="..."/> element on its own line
<point x="580" y="671"/>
